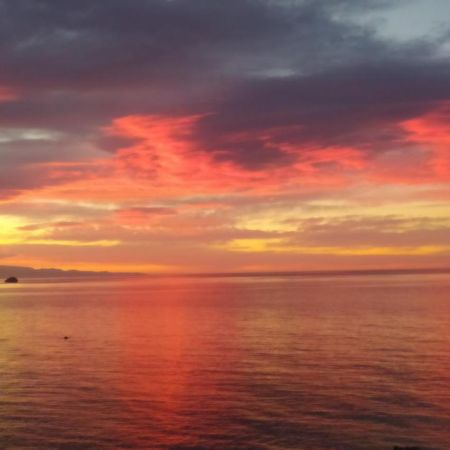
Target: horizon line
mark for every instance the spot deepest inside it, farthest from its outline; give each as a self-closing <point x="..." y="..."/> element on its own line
<point x="313" y="272"/>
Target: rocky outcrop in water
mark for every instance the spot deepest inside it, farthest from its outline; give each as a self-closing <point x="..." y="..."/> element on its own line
<point x="11" y="280"/>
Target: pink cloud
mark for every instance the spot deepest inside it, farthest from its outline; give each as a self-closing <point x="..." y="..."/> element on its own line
<point x="423" y="155"/>
<point x="433" y="131"/>
<point x="8" y="94"/>
<point x="165" y="151"/>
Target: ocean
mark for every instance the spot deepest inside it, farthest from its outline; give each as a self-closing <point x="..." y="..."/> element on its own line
<point x="268" y="362"/>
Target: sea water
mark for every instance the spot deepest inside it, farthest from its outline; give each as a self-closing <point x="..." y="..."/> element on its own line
<point x="268" y="362"/>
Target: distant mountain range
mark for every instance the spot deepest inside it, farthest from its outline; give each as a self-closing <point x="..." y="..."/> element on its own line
<point x="29" y="272"/>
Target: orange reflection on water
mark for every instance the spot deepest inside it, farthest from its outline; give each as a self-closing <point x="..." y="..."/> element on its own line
<point x="169" y="379"/>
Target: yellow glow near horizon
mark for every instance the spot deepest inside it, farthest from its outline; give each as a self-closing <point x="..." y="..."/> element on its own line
<point x="9" y="230"/>
<point x="276" y="246"/>
<point x="11" y="234"/>
<point x="265" y="220"/>
<point x="74" y="243"/>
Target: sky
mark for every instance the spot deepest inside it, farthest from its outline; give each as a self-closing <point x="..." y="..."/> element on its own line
<point x="225" y="135"/>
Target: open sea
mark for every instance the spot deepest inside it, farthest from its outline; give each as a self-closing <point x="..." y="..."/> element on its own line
<point x="268" y="362"/>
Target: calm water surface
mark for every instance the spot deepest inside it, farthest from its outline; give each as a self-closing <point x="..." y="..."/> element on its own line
<point x="347" y="363"/>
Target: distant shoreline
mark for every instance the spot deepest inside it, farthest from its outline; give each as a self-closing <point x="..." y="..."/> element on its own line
<point x="312" y="273"/>
<point x="28" y="272"/>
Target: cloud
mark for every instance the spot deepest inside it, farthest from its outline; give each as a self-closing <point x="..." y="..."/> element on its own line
<point x="263" y="76"/>
<point x="361" y="107"/>
<point x="53" y="225"/>
<point x="366" y="232"/>
<point x="91" y="44"/>
<point x="208" y="122"/>
<point x="7" y="94"/>
<point x="157" y="48"/>
<point x="142" y="215"/>
<point x="5" y="255"/>
<point x="167" y="155"/>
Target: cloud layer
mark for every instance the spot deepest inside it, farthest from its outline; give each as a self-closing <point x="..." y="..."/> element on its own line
<point x="127" y="126"/>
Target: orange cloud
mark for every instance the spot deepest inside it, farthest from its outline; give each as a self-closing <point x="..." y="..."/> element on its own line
<point x="144" y="215"/>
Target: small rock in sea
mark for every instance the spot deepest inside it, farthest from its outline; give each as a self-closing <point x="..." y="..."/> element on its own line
<point x="11" y="280"/>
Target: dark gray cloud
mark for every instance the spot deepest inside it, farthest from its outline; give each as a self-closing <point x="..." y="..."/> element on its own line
<point x="303" y="71"/>
<point x="86" y="45"/>
<point x="358" y="106"/>
<point x="25" y="154"/>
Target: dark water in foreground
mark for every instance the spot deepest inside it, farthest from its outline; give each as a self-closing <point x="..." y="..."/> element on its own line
<point x="252" y="363"/>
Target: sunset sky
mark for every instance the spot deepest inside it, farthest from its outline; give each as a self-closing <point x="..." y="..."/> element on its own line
<point x="225" y="135"/>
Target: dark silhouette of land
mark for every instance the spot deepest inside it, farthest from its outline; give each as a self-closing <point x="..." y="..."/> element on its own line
<point x="29" y="272"/>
